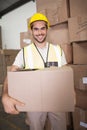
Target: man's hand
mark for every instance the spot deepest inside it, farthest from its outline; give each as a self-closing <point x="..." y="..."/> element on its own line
<point x="10" y="103"/>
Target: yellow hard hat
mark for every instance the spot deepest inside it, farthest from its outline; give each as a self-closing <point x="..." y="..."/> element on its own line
<point x="38" y="17"/>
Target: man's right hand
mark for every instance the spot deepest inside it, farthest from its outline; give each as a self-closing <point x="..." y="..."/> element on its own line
<point x="10" y="103"/>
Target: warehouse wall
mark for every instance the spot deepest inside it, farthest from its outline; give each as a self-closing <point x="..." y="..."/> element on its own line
<point x="15" y="22"/>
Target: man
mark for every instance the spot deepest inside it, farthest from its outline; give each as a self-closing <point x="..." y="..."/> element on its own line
<point x="38" y="54"/>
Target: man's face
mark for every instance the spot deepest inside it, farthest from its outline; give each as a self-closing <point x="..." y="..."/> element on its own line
<point x="39" y="31"/>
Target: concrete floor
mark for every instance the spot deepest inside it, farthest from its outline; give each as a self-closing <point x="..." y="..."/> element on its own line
<point x="12" y="122"/>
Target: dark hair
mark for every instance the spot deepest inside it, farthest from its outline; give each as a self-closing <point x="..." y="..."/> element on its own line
<point x="31" y="26"/>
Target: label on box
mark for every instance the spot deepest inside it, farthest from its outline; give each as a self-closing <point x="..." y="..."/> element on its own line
<point x="27" y="41"/>
<point x="84" y="79"/>
<point x="83" y="124"/>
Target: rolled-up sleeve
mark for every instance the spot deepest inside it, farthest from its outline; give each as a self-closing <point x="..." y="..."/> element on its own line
<point x="63" y="59"/>
<point x="19" y="59"/>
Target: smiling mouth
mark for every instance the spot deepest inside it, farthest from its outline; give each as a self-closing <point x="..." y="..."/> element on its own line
<point x="40" y="36"/>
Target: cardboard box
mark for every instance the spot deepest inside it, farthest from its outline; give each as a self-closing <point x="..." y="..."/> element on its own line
<point x="77" y="28"/>
<point x="58" y="34"/>
<point x="56" y="11"/>
<point x="2" y="67"/>
<point x="25" y="38"/>
<point x="80" y="53"/>
<point x="51" y="89"/>
<point x="80" y="119"/>
<point x="80" y="71"/>
<point x="68" y="50"/>
<point x="81" y="99"/>
<point x="78" y="8"/>
<point x="10" y="55"/>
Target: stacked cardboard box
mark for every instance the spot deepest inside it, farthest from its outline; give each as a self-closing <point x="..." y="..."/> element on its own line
<point x="2" y="67"/>
<point x="77" y="28"/>
<point x="80" y="81"/>
<point x="2" y="70"/>
<point x="78" y="7"/>
<point x="80" y="119"/>
<point x="9" y="55"/>
<point x="56" y="11"/>
<point x="80" y="53"/>
<point x="80" y="84"/>
<point x="25" y="38"/>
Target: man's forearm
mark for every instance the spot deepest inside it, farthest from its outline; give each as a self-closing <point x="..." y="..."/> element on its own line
<point x="5" y="87"/>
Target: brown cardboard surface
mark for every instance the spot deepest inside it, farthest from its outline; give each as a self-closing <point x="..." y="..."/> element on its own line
<point x="56" y="11"/>
<point x="59" y="34"/>
<point x="81" y="99"/>
<point x="78" y="7"/>
<point x="43" y="90"/>
<point x="80" y="119"/>
<point x="80" y="53"/>
<point x="80" y="71"/>
<point x="10" y="55"/>
<point x="25" y="38"/>
<point x="68" y="50"/>
<point x="2" y="67"/>
<point x="77" y="28"/>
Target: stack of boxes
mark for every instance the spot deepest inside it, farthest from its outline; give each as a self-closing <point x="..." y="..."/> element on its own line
<point x="9" y="55"/>
<point x="80" y="81"/>
<point x="77" y="24"/>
